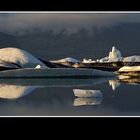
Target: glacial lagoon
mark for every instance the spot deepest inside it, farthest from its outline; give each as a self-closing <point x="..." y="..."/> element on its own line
<point x="55" y="97"/>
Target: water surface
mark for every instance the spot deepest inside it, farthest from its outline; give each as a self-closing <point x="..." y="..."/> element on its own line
<point x="55" y="97"/>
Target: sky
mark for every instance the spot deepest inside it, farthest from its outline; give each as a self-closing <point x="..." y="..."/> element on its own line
<point x="11" y="22"/>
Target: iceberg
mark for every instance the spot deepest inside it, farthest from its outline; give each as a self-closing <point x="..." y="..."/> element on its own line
<point x="88" y="61"/>
<point x="129" y="69"/>
<point x="68" y="59"/>
<point x="105" y="59"/>
<point x="115" y="55"/>
<point x="19" y="57"/>
<point x="134" y="58"/>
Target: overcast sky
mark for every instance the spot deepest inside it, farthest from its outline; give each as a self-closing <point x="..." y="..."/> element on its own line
<point x="72" y="21"/>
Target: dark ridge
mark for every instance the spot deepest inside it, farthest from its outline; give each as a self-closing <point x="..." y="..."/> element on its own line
<point x="53" y="65"/>
<point x="6" y="68"/>
<point x="17" y="65"/>
<point x="47" y="63"/>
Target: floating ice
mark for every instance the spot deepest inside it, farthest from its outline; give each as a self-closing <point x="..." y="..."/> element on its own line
<point x="114" y="56"/>
<point x="105" y="59"/>
<point x="19" y="57"/>
<point x="134" y="58"/>
<point x="68" y="59"/>
<point x="88" y="61"/>
<point x="38" y="67"/>
<point x="129" y="69"/>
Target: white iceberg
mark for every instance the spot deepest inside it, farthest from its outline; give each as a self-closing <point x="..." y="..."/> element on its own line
<point x="88" y="61"/>
<point x="68" y="59"/>
<point x="105" y="59"/>
<point x="114" y="56"/>
<point x="19" y="57"/>
<point x="129" y="69"/>
<point x="39" y="67"/>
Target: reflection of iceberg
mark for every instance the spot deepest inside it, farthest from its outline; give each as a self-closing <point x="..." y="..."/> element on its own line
<point x="87" y="97"/>
<point x="87" y="93"/>
<point x="125" y="80"/>
<point x="14" y="91"/>
<point x="114" y="84"/>
<point x="68" y="59"/>
<point x="87" y="101"/>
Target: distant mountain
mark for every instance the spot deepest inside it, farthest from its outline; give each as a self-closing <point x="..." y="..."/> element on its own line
<point x="94" y="44"/>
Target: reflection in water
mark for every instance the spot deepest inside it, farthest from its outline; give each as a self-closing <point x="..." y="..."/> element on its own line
<point x="87" y="101"/>
<point x="87" y="93"/>
<point x="68" y="96"/>
<point x="16" y="88"/>
<point x="114" y="84"/>
<point x="87" y="97"/>
<point x="131" y="81"/>
<point x="15" y="91"/>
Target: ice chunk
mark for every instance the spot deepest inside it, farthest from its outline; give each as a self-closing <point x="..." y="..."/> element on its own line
<point x="19" y="57"/>
<point x="105" y="59"/>
<point x="68" y="59"/>
<point x="129" y="69"/>
<point x="88" y="61"/>
<point x="38" y="67"/>
<point x="134" y="58"/>
<point x="115" y="55"/>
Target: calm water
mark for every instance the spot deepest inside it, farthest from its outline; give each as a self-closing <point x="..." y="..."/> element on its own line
<point x="49" y="97"/>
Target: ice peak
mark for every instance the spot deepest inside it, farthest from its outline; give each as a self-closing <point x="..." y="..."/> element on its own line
<point x="115" y="55"/>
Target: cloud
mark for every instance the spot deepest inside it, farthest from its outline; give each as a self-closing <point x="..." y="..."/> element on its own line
<point x="11" y="22"/>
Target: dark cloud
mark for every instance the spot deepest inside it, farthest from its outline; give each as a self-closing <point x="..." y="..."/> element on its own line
<point x="11" y="22"/>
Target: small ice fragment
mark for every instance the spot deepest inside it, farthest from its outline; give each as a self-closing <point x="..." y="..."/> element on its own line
<point x="38" y="67"/>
